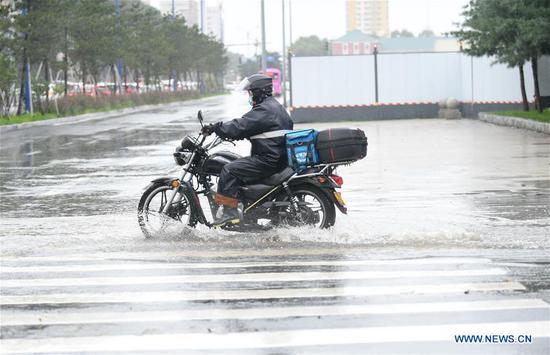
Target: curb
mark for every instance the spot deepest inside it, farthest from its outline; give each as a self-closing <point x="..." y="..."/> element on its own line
<point x="515" y="122"/>
<point x="96" y="115"/>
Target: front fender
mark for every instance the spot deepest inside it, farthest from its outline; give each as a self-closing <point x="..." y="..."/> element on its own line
<point x="185" y="187"/>
<point x="161" y="181"/>
<point x="164" y="180"/>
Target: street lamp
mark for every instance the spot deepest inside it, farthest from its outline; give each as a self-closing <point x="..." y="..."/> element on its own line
<point x="202" y="16"/>
<point x="263" y="39"/>
<point x="290" y="20"/>
<point x="174" y="81"/>
<point x="283" y="55"/>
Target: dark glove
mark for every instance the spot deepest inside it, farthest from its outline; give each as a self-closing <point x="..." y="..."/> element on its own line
<point x="207" y="130"/>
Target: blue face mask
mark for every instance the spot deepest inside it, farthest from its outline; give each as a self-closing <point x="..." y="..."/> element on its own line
<point x="250" y="101"/>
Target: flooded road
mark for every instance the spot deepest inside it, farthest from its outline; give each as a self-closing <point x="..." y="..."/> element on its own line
<point x="443" y="215"/>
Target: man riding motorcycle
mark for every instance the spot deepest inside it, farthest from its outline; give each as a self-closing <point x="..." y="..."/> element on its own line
<point x="265" y="126"/>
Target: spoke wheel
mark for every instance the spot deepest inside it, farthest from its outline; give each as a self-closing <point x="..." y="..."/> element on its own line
<point x="314" y="208"/>
<point x="154" y="222"/>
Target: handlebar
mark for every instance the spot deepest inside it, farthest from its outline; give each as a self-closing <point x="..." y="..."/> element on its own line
<point x="216" y="141"/>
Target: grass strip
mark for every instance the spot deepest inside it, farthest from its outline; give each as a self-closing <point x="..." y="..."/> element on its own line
<point x="530" y="115"/>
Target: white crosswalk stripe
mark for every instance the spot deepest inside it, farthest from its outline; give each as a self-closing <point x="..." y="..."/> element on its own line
<point x="256" y="277"/>
<point x="193" y="306"/>
<point x="275" y="339"/>
<point x="42" y="318"/>
<point x="229" y="265"/>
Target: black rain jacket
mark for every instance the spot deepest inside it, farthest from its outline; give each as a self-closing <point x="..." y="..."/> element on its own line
<point x="268" y="116"/>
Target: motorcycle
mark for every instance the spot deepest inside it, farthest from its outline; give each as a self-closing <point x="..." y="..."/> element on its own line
<point x="287" y="198"/>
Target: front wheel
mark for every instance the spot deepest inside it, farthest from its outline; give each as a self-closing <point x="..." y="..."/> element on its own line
<point x="153" y="221"/>
<point x="315" y="208"/>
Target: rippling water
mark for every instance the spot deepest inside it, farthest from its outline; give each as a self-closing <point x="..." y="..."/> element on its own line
<point x="424" y="184"/>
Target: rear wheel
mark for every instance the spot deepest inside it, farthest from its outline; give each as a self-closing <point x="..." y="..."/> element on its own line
<point x="315" y="208"/>
<point x="151" y="219"/>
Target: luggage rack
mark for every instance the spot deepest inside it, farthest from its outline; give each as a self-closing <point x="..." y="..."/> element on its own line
<point x="324" y="167"/>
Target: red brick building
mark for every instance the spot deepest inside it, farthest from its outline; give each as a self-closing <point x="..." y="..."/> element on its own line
<point x="354" y="42"/>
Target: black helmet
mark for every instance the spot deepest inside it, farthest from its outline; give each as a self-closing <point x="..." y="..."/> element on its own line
<point x="260" y="85"/>
<point x="256" y="82"/>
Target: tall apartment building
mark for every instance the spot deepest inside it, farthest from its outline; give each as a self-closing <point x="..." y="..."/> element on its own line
<point x="368" y="16"/>
<point x="191" y="10"/>
<point x="213" y="21"/>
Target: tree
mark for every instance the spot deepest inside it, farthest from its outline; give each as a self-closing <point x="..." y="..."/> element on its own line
<point x="249" y="67"/>
<point x="426" y="33"/>
<point x="95" y="43"/>
<point x="8" y="64"/>
<point x="403" y="33"/>
<point x="43" y="35"/>
<point x="137" y="22"/>
<point x="92" y="38"/>
<point x="489" y="31"/>
<point x="310" y="46"/>
<point x="234" y="60"/>
<point x="274" y="60"/>
<point x="534" y="32"/>
<point x="514" y="31"/>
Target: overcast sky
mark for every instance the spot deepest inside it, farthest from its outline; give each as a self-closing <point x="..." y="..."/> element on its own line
<point x="326" y="19"/>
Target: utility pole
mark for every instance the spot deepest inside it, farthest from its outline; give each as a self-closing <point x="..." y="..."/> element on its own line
<point x="199" y="73"/>
<point x="290" y="20"/>
<point x="202" y="16"/>
<point x="375" y="52"/>
<point x="290" y="76"/>
<point x="263" y="39"/>
<point x="283" y="56"/>
<point x="174" y="81"/>
<point x="27" y="68"/>
<point x="119" y="64"/>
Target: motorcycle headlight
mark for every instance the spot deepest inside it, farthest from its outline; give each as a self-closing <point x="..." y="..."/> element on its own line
<point x="181" y="157"/>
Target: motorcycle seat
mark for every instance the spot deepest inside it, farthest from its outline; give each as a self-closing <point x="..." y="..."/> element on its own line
<point x="277" y="178"/>
<point x="260" y="187"/>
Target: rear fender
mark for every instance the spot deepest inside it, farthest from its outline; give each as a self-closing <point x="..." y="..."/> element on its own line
<point x="328" y="188"/>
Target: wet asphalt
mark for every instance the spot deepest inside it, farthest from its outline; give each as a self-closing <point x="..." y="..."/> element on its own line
<point x="448" y="233"/>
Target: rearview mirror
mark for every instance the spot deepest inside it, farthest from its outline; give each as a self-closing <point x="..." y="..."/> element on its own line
<point x="199" y="115"/>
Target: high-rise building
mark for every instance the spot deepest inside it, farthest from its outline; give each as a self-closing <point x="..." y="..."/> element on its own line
<point x="213" y="24"/>
<point x="189" y="9"/>
<point x="368" y="16"/>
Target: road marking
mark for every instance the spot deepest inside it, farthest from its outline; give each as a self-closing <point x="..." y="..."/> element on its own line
<point x="271" y="339"/>
<point x="247" y="277"/>
<point x="49" y="318"/>
<point x="170" y="296"/>
<point x="217" y="254"/>
<point x="222" y="265"/>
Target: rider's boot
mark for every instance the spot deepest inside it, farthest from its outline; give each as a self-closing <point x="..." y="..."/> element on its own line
<point x="227" y="216"/>
<point x="228" y="212"/>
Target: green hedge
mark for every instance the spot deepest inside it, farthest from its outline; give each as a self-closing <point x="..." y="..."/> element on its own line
<point x="81" y="104"/>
